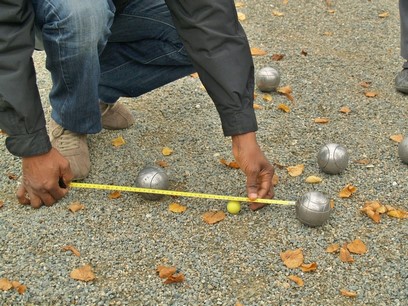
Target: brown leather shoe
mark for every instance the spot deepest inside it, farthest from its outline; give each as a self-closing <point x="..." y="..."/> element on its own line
<point x="74" y="147"/>
<point x="116" y="116"/>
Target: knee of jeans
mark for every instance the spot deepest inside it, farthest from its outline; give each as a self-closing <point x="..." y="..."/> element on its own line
<point x="80" y="22"/>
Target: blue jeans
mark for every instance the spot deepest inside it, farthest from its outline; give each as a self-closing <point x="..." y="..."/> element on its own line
<point x="94" y="55"/>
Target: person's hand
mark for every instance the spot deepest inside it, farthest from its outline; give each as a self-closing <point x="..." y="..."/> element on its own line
<point x="43" y="176"/>
<point x="253" y="163"/>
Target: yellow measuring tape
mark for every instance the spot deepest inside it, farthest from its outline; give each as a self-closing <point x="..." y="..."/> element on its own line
<point x="178" y="193"/>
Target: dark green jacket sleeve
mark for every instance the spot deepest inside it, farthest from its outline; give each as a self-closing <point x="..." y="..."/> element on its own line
<point x="219" y="50"/>
<point x="21" y="113"/>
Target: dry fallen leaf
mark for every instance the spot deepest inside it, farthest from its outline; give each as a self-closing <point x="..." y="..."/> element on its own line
<point x="232" y="164"/>
<point x="166" y="151"/>
<point x="357" y="247"/>
<point x="258" y="52"/>
<point x="257" y="106"/>
<point x="292" y="258"/>
<point x="75" y="206"/>
<point x="383" y="14"/>
<point x="400" y="214"/>
<point x="72" y="249"/>
<point x="309" y="267"/>
<point x="321" y="120"/>
<point x="313" y="179"/>
<point x="177" y="208"/>
<point x="397" y="138"/>
<point x="277" y="13"/>
<point x="175" y="278"/>
<point x="1" y="203"/>
<point x="241" y="16"/>
<point x="267" y="97"/>
<point x="347" y="191"/>
<point x="194" y="75"/>
<point x="331" y="11"/>
<point x="275" y="179"/>
<point x="295" y="170"/>
<point x="21" y="289"/>
<point x="297" y="280"/>
<point x="239" y="4"/>
<point x="347" y="293"/>
<point x="5" y="284"/>
<point x="212" y="217"/>
<point x="83" y="273"/>
<point x="277" y="57"/>
<point x="287" y="91"/>
<point x="333" y="248"/>
<point x="370" y="94"/>
<point x="114" y="195"/>
<point x="165" y="272"/>
<point x="345" y="110"/>
<point x="365" y="84"/>
<point x="345" y="255"/>
<point x="331" y="203"/>
<point x="117" y="142"/>
<point x="162" y="163"/>
<point x="284" y="108"/>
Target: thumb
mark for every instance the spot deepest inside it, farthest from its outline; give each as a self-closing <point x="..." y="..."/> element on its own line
<point x="252" y="186"/>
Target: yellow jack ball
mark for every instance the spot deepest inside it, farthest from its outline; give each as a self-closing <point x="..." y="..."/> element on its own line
<point x="234" y="207"/>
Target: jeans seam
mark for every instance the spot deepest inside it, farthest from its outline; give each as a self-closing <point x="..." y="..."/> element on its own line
<point x="151" y="19"/>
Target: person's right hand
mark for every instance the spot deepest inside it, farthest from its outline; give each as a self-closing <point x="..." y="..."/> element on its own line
<point x="41" y="179"/>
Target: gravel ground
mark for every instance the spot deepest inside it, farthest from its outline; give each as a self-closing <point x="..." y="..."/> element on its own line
<point x="237" y="259"/>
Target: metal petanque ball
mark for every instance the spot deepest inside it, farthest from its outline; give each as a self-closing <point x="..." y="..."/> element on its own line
<point x="267" y="79"/>
<point x="152" y="177"/>
<point x="313" y="208"/>
<point x="332" y="158"/>
<point x="403" y="150"/>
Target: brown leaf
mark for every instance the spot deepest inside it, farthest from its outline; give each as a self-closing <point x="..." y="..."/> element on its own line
<point x="1" y="203"/>
<point x="287" y="91"/>
<point x="383" y="14"/>
<point x="117" y="142"/>
<point x="239" y="4"/>
<point x="5" y="284"/>
<point x="83" y="273"/>
<point x="321" y="120"/>
<point x="21" y="289"/>
<point x="331" y="203"/>
<point x="365" y="84"/>
<point x="212" y="217"/>
<point x="370" y="94"/>
<point x="363" y="161"/>
<point x="257" y="106"/>
<point x="313" y="179"/>
<point x="295" y="170"/>
<point x="333" y="248"/>
<point x="241" y="16"/>
<point x="194" y="75"/>
<point x="297" y="280"/>
<point x="258" y="52"/>
<point x="347" y="293"/>
<point x="376" y="217"/>
<point x="165" y="272"/>
<point x="397" y="138"/>
<point x="166" y="151"/>
<point x="345" y="110"/>
<point x="309" y="267"/>
<point x="277" y="57"/>
<point x="232" y="164"/>
<point x="72" y="249"/>
<point x="177" y="208"/>
<point x="175" y="278"/>
<point x="345" y="254"/>
<point x="275" y="179"/>
<point x="400" y="214"/>
<point x="303" y="52"/>
<point x="162" y="163"/>
<point x="284" y="108"/>
<point x="114" y="195"/>
<point x="292" y="258"/>
<point x="12" y="176"/>
<point x="357" y="247"/>
<point x="347" y="191"/>
<point x="267" y="97"/>
<point x="75" y="206"/>
<point x="277" y="13"/>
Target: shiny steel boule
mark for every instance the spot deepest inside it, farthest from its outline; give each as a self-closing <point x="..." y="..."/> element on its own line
<point x="152" y="177"/>
<point x="313" y="208"/>
<point x="403" y="150"/>
<point x="332" y="158"/>
<point x="267" y="79"/>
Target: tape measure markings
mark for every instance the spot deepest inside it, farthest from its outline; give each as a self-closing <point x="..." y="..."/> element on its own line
<point x="178" y="193"/>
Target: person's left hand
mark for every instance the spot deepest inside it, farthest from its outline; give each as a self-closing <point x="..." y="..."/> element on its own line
<point x="254" y="164"/>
